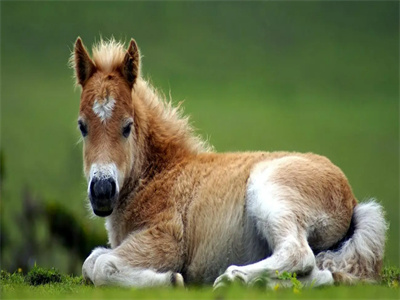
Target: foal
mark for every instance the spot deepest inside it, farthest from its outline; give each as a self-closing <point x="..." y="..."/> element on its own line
<point x="177" y="212"/>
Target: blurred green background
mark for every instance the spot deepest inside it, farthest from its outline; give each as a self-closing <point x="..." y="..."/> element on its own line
<point x="298" y="76"/>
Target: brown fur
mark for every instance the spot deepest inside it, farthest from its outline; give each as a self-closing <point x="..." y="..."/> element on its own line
<point x="179" y="200"/>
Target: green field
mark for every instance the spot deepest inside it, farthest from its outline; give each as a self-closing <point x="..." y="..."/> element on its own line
<point x="85" y="292"/>
<point x="297" y="76"/>
<point x="49" y="284"/>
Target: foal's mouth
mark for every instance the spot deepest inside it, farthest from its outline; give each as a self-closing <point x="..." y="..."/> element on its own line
<point x="102" y="213"/>
<point x="103" y="189"/>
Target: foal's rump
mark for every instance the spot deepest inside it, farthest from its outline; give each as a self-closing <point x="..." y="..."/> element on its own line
<point x="307" y="193"/>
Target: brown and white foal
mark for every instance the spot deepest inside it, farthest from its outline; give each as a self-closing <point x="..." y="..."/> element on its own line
<point x="177" y="212"/>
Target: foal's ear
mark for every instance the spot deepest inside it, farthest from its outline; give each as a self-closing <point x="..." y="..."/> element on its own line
<point x="130" y="65"/>
<point x="84" y="66"/>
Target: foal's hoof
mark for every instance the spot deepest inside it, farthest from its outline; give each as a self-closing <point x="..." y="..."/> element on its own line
<point x="177" y="280"/>
<point x="232" y="274"/>
<point x="87" y="281"/>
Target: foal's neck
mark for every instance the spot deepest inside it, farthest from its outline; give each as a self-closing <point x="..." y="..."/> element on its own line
<point x="164" y="137"/>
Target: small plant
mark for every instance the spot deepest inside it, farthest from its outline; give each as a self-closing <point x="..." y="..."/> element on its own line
<point x="292" y="277"/>
<point x="39" y="276"/>
<point x="11" y="278"/>
<point x="390" y="277"/>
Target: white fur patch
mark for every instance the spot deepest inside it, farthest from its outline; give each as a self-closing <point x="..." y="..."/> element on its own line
<point x="104" y="109"/>
<point x="269" y="202"/>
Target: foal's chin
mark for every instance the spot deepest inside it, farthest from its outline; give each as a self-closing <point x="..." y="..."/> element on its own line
<point x="102" y="208"/>
<point x="102" y="213"/>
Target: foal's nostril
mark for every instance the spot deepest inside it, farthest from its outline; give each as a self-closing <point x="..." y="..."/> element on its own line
<point x="92" y="184"/>
<point x="113" y="187"/>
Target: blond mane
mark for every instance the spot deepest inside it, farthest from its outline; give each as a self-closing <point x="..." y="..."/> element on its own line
<point x="170" y="116"/>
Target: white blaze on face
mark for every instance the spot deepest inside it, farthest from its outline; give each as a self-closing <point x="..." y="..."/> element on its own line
<point x="104" y="109"/>
<point x="102" y="171"/>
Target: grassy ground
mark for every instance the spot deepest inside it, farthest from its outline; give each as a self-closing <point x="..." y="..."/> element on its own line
<point x="49" y="284"/>
<point x="298" y="76"/>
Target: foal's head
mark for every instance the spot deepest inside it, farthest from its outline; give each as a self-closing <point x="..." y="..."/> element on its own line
<point x="106" y="118"/>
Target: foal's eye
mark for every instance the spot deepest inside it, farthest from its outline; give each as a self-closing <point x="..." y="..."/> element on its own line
<point x="83" y="128"/>
<point x="126" y="130"/>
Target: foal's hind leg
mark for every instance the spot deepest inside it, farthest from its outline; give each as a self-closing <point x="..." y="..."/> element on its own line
<point x="280" y="223"/>
<point x="291" y="255"/>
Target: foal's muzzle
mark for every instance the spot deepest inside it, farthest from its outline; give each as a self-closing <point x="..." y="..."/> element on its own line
<point x="103" y="194"/>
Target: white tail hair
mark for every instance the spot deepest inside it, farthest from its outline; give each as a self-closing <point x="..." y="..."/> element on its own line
<point x="360" y="257"/>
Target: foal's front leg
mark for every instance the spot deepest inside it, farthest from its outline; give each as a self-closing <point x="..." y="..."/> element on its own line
<point x="112" y="270"/>
<point x="88" y="265"/>
<point x="135" y="262"/>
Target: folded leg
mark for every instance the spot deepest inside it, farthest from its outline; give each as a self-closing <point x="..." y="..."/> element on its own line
<point x="149" y="258"/>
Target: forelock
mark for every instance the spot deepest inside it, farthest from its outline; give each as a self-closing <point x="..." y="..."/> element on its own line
<point x="108" y="55"/>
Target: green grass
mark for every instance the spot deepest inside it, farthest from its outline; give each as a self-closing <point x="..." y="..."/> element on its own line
<point x="298" y="76"/>
<point x="42" y="283"/>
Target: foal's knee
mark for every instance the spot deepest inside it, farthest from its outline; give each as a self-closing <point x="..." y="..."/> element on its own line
<point x="299" y="260"/>
<point x="307" y="261"/>
<point x="88" y="265"/>
<point x="106" y="265"/>
<point x="304" y="262"/>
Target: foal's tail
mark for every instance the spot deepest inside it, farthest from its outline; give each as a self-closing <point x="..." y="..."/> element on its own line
<point x="359" y="256"/>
